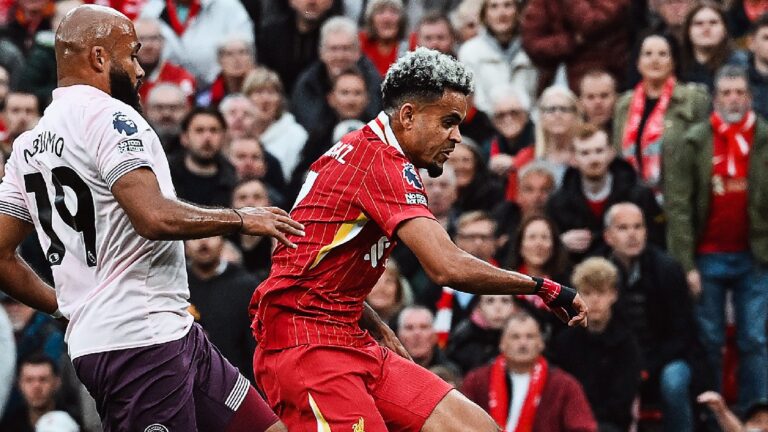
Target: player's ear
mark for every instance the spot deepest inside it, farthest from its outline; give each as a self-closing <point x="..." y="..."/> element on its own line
<point x="98" y="58"/>
<point x="405" y="114"/>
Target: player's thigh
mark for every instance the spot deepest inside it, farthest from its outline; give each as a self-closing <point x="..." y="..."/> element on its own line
<point x="142" y="389"/>
<point x="456" y="413"/>
<point x="320" y="388"/>
<point x="220" y="391"/>
<point x="406" y="393"/>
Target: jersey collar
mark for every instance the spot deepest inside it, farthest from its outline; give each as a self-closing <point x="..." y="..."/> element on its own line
<point x="382" y="129"/>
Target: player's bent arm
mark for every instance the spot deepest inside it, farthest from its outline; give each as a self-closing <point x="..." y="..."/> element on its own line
<point x="157" y="217"/>
<point x="447" y="265"/>
<point x="17" y="279"/>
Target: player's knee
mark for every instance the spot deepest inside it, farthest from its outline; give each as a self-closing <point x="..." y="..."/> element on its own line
<point x="277" y="427"/>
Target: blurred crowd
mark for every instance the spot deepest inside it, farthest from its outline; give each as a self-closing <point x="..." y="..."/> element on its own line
<point x="618" y="146"/>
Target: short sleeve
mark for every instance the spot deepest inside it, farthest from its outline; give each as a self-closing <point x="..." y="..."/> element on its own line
<point x="392" y="192"/>
<point x="124" y="142"/>
<point x="12" y="193"/>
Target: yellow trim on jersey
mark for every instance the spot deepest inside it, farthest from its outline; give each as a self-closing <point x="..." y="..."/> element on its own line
<point x="322" y="424"/>
<point x="346" y="232"/>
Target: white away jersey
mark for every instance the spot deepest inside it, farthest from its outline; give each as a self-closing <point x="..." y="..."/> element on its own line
<point x="118" y="289"/>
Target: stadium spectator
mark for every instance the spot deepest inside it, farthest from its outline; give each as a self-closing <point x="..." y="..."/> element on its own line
<point x="706" y="45"/>
<point x="201" y="174"/>
<point x="152" y="58"/>
<point x="479" y="189"/>
<point x="236" y="57"/>
<point x="465" y="19"/>
<point x="535" y="183"/>
<point x="390" y="294"/>
<point x="442" y="192"/>
<point x="585" y="35"/>
<point x="415" y="329"/>
<point x="256" y="251"/>
<point x="653" y="296"/>
<point x="510" y="111"/>
<point x="475" y="339"/>
<point x="758" y="65"/>
<point x="37" y="75"/>
<point x="339" y="52"/>
<point x="38" y="381"/>
<point x="20" y="114"/>
<point x="657" y="109"/>
<point x="496" y="54"/>
<point x="434" y="31"/>
<point x="129" y="8"/>
<point x="671" y="16"/>
<point x="559" y="120"/>
<point x="597" y="94"/>
<point x="194" y="29"/>
<point x="249" y="159"/>
<point x="26" y="18"/>
<point x="289" y="44"/>
<point x="384" y="36"/>
<point x="743" y="14"/>
<point x="755" y="418"/>
<point x="598" y="180"/>
<point x="604" y="357"/>
<point x="536" y="250"/>
<point x="522" y="391"/>
<point x="220" y="292"/>
<point x="165" y="107"/>
<point x="240" y="114"/>
<point x="274" y="126"/>
<point x="5" y="85"/>
<point x="716" y="228"/>
<point x="347" y="100"/>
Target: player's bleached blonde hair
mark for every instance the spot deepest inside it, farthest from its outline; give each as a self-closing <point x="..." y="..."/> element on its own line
<point x="595" y="274"/>
<point x="424" y="75"/>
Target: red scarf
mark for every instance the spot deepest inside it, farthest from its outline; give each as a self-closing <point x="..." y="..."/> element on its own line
<point x="499" y="396"/>
<point x="173" y="17"/>
<point x="737" y="139"/>
<point x="650" y="141"/>
<point x="444" y="316"/>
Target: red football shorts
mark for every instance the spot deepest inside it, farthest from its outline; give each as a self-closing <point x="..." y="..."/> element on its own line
<point x="328" y="388"/>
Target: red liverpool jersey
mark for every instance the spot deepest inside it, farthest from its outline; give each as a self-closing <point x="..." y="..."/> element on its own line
<point x="351" y="204"/>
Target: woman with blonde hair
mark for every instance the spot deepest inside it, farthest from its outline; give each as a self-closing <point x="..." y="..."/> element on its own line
<point x="275" y="127"/>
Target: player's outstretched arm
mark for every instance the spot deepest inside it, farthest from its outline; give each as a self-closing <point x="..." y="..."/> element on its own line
<point x="17" y="279"/>
<point x="448" y="265"/>
<point x="156" y="217"/>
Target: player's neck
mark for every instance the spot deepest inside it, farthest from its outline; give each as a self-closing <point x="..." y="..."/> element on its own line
<point x="72" y="80"/>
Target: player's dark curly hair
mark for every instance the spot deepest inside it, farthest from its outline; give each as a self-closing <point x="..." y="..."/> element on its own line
<point x="424" y="74"/>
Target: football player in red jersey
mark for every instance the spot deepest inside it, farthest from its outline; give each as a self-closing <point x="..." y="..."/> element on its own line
<point x="318" y="360"/>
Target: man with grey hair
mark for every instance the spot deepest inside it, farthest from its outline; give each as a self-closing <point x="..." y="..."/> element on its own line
<point x="339" y="52"/>
<point x="510" y="113"/>
<point x="416" y="330"/>
<point x="318" y="360"/>
<point x="152" y="58"/>
<point x="236" y="57"/>
<point x="164" y="108"/>
<point x="654" y="300"/>
<point x="715" y="200"/>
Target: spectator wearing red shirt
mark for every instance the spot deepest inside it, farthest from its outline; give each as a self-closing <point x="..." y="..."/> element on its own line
<point x="522" y="391"/>
<point x="237" y="58"/>
<point x="384" y="39"/>
<point x="157" y="69"/>
<point x="715" y="199"/>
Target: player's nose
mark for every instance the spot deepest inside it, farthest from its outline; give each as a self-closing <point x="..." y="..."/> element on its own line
<point x="455" y="135"/>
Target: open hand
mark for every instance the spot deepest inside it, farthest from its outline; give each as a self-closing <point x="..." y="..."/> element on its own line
<point x="270" y="221"/>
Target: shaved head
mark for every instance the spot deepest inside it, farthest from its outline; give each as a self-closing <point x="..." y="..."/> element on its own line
<point x="96" y="46"/>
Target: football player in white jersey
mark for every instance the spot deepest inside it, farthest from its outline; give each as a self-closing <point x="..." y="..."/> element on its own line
<point x="93" y="180"/>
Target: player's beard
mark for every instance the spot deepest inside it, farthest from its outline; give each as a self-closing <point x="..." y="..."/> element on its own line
<point x="434" y="170"/>
<point x="123" y="89"/>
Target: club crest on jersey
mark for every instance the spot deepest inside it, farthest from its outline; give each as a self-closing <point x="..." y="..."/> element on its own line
<point x="123" y="124"/>
<point x="411" y="176"/>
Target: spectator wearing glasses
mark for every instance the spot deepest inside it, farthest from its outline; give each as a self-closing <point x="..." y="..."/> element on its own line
<point x="559" y="120"/>
<point x="152" y="59"/>
<point x="165" y="106"/>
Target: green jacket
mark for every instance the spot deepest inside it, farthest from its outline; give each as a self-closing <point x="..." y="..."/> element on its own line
<point x="689" y="105"/>
<point x="688" y="186"/>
